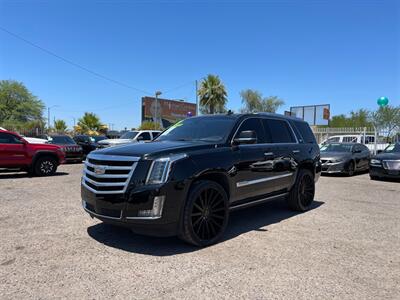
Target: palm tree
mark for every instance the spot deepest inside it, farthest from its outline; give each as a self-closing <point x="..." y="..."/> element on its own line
<point x="60" y="126"/>
<point x="90" y="124"/>
<point x="212" y="94"/>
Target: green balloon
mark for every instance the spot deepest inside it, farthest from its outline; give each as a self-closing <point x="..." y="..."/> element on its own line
<point x="383" y="101"/>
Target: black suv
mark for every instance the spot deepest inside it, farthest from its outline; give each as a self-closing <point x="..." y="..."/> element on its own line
<point x="187" y="181"/>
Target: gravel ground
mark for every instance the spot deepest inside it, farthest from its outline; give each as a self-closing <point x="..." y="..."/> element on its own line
<point x="346" y="247"/>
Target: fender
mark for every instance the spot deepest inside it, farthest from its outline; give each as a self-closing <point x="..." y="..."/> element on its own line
<point x="45" y="152"/>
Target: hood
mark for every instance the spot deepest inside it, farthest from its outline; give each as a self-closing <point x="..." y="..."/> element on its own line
<point x="329" y="155"/>
<point x="154" y="149"/>
<point x="387" y="156"/>
<point x="115" y="141"/>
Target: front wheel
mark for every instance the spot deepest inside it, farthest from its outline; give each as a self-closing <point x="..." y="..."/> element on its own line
<point x="302" y="193"/>
<point x="205" y="214"/>
<point x="351" y="169"/>
<point x="45" y="166"/>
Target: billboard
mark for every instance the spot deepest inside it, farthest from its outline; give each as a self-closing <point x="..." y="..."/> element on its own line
<point x="313" y="114"/>
<point x="167" y="112"/>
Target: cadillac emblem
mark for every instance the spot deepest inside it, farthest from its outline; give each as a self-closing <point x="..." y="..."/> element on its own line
<point x="99" y="170"/>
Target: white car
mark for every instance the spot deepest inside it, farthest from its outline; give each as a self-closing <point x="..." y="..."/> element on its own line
<point x="358" y="138"/>
<point x="130" y="137"/>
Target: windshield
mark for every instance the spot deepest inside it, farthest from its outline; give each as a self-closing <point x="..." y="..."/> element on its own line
<point x="336" y="148"/>
<point x="61" y="140"/>
<point x="207" y="129"/>
<point x="129" y="135"/>
<point x="98" y="138"/>
<point x="394" y="148"/>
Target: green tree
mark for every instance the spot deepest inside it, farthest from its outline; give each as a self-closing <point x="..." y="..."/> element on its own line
<point x="213" y="95"/>
<point x="149" y="126"/>
<point x="18" y="107"/>
<point x="253" y="101"/>
<point x="359" y="118"/>
<point x="90" y="124"/>
<point x="386" y="118"/>
<point x="60" y="126"/>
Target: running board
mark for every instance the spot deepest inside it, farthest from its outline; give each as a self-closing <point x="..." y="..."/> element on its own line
<point x="256" y="202"/>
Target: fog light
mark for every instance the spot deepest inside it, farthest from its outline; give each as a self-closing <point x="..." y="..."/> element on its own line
<point x="156" y="212"/>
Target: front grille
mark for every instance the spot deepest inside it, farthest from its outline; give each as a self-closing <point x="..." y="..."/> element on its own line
<point x="108" y="174"/>
<point x="323" y="161"/>
<point x="391" y="164"/>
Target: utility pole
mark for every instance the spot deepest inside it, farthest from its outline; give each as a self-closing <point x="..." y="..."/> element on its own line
<point x="48" y="115"/>
<point x="158" y="93"/>
<point x="197" y="99"/>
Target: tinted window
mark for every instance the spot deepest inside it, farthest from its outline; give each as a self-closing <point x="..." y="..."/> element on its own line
<point x="306" y="132"/>
<point x="145" y="136"/>
<point x="207" y="129"/>
<point x="6" y="138"/>
<point x="61" y="140"/>
<point x="155" y="134"/>
<point x="254" y="124"/>
<point x="280" y="131"/>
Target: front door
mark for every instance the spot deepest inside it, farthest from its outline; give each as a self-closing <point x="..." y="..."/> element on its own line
<point x="12" y="150"/>
<point x="255" y="163"/>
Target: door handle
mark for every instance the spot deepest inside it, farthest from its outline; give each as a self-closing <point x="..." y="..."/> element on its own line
<point x="296" y="151"/>
<point x="268" y="154"/>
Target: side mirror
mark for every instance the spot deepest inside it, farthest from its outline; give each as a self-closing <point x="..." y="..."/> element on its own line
<point x="246" y="137"/>
<point x="357" y="151"/>
<point x="379" y="151"/>
<point x="139" y="138"/>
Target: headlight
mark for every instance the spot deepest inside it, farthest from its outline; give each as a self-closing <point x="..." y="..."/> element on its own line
<point x="375" y="162"/>
<point x="160" y="169"/>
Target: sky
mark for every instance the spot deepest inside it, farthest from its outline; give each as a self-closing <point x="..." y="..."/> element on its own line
<point x="344" y="53"/>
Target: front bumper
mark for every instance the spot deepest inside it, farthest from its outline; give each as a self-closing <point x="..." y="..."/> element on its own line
<point x="332" y="168"/>
<point x="379" y="171"/>
<point x="123" y="209"/>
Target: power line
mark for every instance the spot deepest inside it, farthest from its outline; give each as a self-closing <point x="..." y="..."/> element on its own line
<point x="73" y="63"/>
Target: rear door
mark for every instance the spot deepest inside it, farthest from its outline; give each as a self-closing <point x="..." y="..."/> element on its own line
<point x="12" y="150"/>
<point x="285" y="152"/>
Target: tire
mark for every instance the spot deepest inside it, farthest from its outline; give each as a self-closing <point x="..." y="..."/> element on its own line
<point x="301" y="196"/>
<point x="205" y="214"/>
<point x="351" y="168"/>
<point x="45" y="166"/>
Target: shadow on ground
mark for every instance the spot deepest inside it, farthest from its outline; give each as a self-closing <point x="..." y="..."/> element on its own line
<point x="253" y="218"/>
<point x="17" y="175"/>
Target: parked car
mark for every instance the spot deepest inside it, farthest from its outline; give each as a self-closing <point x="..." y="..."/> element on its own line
<point x="130" y="137"/>
<point x="86" y="142"/>
<point x="98" y="138"/>
<point x="187" y="181"/>
<point x="16" y="153"/>
<point x="344" y="158"/>
<point x="386" y="164"/>
<point x="73" y="152"/>
<point x="368" y="141"/>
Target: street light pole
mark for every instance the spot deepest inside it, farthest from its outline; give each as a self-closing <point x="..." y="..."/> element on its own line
<point x="48" y="115"/>
<point x="158" y="93"/>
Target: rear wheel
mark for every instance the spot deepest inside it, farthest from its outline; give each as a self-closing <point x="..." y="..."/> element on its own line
<point x="45" y="166"/>
<point x="205" y="214"/>
<point x="302" y="193"/>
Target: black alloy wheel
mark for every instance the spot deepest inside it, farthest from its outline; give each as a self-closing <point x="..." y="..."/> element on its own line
<point x="351" y="169"/>
<point x="45" y="166"/>
<point x="301" y="196"/>
<point x="206" y="214"/>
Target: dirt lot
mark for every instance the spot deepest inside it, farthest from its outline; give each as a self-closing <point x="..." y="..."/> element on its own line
<point x="346" y="247"/>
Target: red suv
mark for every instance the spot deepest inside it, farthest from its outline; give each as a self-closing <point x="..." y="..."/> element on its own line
<point x="36" y="159"/>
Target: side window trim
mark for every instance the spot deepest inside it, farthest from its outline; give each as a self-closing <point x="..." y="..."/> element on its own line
<point x="267" y="118"/>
